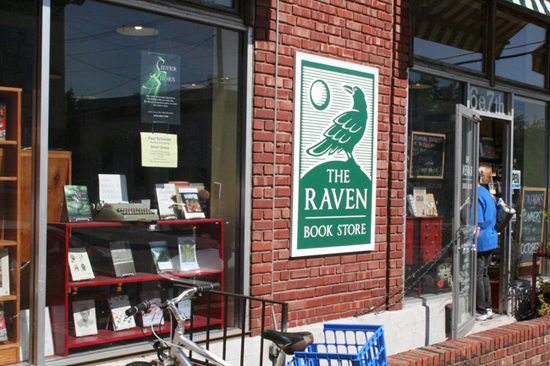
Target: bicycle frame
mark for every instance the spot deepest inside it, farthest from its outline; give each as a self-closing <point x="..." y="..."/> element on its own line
<point x="176" y="356"/>
<point x="179" y="339"/>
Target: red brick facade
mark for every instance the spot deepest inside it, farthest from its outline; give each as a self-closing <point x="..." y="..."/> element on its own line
<point x="371" y="33"/>
<point x="525" y="343"/>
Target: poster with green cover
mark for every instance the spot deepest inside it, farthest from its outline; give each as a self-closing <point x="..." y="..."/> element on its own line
<point x="77" y="203"/>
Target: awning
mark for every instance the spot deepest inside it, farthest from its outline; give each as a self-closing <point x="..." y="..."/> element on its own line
<point x="540" y="6"/>
<point x="459" y="24"/>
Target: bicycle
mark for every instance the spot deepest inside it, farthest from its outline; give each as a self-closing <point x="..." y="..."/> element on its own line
<point x="284" y="342"/>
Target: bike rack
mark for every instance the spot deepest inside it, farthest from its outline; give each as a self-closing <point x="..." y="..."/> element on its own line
<point x="244" y="325"/>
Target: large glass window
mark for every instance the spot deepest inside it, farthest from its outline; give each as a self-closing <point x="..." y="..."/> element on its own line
<point x="520" y="50"/>
<point x="123" y="78"/>
<point x="450" y="31"/>
<point x="18" y="82"/>
<point x="430" y="182"/>
<point x="530" y="160"/>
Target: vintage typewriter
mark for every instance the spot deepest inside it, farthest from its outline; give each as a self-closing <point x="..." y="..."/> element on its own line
<point x="125" y="212"/>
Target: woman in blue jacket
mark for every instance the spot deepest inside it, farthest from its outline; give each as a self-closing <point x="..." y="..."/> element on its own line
<point x="487" y="242"/>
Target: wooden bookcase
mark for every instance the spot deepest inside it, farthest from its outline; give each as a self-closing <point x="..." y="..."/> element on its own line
<point x="10" y="230"/>
<point x="95" y="237"/>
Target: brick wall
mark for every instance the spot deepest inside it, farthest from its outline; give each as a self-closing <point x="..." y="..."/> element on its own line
<point x="366" y="32"/>
<point x="522" y="343"/>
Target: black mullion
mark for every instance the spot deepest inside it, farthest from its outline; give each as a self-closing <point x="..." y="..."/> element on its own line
<point x="490" y="42"/>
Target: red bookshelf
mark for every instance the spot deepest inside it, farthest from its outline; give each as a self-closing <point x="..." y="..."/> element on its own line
<point x="95" y="237"/>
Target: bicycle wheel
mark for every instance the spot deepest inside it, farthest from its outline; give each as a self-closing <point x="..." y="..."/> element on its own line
<point x="139" y="363"/>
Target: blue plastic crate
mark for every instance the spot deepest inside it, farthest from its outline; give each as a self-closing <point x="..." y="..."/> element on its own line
<point x="346" y="345"/>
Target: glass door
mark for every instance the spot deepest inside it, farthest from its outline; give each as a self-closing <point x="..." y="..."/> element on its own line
<point x="465" y="219"/>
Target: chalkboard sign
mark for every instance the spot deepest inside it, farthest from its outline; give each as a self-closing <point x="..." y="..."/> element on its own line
<point x="531" y="224"/>
<point x="427" y="155"/>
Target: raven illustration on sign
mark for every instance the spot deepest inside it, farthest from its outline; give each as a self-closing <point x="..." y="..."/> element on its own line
<point x="347" y="130"/>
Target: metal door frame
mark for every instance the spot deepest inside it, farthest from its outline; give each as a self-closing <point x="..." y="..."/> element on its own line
<point x="459" y="330"/>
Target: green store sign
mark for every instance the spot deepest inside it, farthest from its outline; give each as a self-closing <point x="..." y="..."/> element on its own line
<point x="334" y="157"/>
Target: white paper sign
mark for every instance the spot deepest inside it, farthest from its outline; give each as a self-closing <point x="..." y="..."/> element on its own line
<point x="112" y="188"/>
<point x="159" y="150"/>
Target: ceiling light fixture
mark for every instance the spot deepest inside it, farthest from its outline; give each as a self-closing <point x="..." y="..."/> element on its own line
<point x="137" y="31"/>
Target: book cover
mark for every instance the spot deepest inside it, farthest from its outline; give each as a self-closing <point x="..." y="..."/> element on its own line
<point x="182" y="183"/>
<point x="3" y="329"/>
<point x="79" y="264"/>
<point x="188" y="199"/>
<point x="113" y="188"/>
<point x="77" y="203"/>
<point x="431" y="207"/>
<point x="123" y="260"/>
<point x="119" y="305"/>
<point x="84" y="318"/>
<point x="161" y="256"/>
<point x="167" y="201"/>
<point x="4" y="272"/>
<point x="419" y="194"/>
<point x="487" y="148"/>
<point x="485" y="173"/>
<point x="187" y="247"/>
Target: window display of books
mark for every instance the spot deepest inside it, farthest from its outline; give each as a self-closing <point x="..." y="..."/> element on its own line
<point x="130" y="259"/>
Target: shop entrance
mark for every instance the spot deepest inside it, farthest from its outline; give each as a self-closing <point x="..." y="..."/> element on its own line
<point x="483" y="154"/>
<point x="495" y="162"/>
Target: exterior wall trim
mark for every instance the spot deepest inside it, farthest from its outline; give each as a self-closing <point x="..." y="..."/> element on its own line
<point x="206" y="16"/>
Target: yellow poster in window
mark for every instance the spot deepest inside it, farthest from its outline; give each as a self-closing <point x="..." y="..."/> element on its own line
<point x="159" y="150"/>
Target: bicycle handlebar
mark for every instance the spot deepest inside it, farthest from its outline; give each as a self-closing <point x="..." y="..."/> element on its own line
<point x="139" y="307"/>
<point x="145" y="305"/>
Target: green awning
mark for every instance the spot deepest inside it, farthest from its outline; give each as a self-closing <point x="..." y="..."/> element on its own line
<point x="540" y="6"/>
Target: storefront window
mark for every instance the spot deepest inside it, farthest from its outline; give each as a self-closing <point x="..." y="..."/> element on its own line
<point x="520" y="50"/>
<point x="429" y="225"/>
<point x="142" y="107"/>
<point x="18" y="81"/>
<point x="530" y="161"/>
<point x="450" y="31"/>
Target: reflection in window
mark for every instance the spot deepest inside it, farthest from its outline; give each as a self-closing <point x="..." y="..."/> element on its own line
<point x="432" y="109"/>
<point x="520" y="48"/>
<point x="100" y="52"/>
<point x="530" y="158"/>
<point x="449" y="31"/>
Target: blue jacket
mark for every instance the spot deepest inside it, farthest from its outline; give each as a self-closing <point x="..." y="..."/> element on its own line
<point x="486" y="218"/>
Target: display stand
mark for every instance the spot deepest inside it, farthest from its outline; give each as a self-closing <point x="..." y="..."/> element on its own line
<point x="95" y="237"/>
<point x="10" y="229"/>
<point x="423" y="244"/>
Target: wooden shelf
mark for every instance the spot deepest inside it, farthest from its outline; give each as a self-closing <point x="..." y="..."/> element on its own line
<point x="8" y="298"/>
<point x="10" y="227"/>
<point x="8" y="142"/>
<point x="8" y="344"/>
<point x="139" y="277"/>
<point x="104" y="335"/>
<point x="7" y="243"/>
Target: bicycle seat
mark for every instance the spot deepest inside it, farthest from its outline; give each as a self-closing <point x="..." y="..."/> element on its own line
<point x="289" y="342"/>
